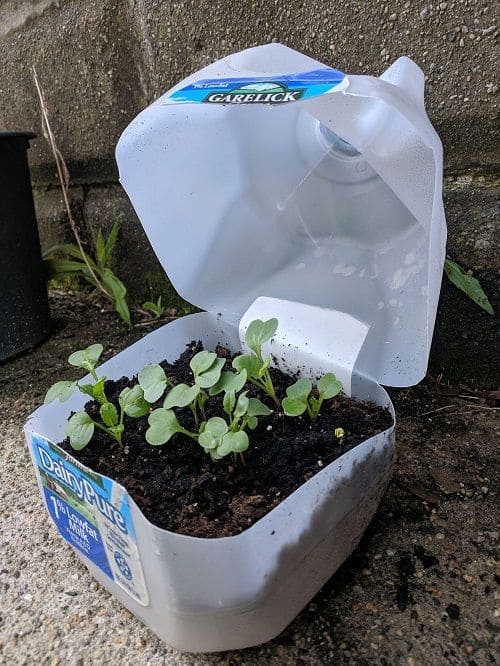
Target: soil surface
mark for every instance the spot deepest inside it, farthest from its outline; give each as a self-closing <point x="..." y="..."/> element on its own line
<point x="178" y="486"/>
<point x="420" y="589"/>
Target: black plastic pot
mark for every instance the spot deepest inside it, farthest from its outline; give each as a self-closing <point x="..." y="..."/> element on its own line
<point x="24" y="308"/>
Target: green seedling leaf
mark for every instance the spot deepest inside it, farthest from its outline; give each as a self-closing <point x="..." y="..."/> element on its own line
<point x="229" y="381"/>
<point x="212" y="434"/>
<point x="108" y="414"/>
<point x="59" y="391"/>
<point x="241" y="405"/>
<point x="110" y="243"/>
<point x="132" y="402"/>
<point x="80" y="429"/>
<point x="264" y="367"/>
<point x="156" y="309"/>
<point x="118" y="292"/>
<point x="468" y="284"/>
<point x="181" y="395"/>
<point x="257" y="408"/>
<point x="210" y="377"/>
<point x="294" y="406"/>
<point x="300" y="390"/>
<point x="163" y="425"/>
<point x="329" y="386"/>
<point x="259" y="332"/>
<point x="201" y="362"/>
<point x="57" y="267"/>
<point x="153" y="381"/>
<point x="86" y="358"/>
<point x="315" y="404"/>
<point x="252" y="422"/>
<point x="233" y="442"/>
<point x="95" y="391"/>
<point x="229" y="402"/>
<point x="249" y="363"/>
<point x="100" y="252"/>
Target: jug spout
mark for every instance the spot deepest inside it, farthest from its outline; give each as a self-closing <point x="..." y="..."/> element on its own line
<point x="408" y="76"/>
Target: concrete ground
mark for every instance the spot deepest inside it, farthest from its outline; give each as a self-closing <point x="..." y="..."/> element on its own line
<point x="420" y="589"/>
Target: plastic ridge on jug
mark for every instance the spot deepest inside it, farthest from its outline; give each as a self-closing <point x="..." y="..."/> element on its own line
<point x="269" y="185"/>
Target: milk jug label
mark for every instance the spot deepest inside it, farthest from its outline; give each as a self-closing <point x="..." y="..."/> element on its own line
<point x="91" y="513"/>
<point x="277" y="89"/>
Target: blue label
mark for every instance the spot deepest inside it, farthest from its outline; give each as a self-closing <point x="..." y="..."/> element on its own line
<point x="92" y="513"/>
<point x="77" y="529"/>
<point x="278" y="89"/>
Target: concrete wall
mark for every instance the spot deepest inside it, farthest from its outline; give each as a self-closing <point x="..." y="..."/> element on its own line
<point x="102" y="62"/>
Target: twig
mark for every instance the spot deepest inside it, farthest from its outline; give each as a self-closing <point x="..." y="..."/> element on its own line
<point x="458" y="411"/>
<point x="152" y="322"/>
<point x="63" y="175"/>
<point x="439" y="409"/>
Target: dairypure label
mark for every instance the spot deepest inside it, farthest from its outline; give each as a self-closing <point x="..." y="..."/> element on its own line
<point x="92" y="513"/>
<point x="278" y="89"/>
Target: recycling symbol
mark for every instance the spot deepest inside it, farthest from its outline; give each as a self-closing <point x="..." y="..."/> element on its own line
<point x="123" y="565"/>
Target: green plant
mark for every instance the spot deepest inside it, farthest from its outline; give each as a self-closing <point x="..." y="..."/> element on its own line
<point x="217" y="436"/>
<point x="72" y="260"/>
<point x="468" y="284"/>
<point x="154" y="307"/>
<point x="299" y="396"/>
<point x="81" y="426"/>
<point x="255" y="365"/>
<point x="206" y="368"/>
<point x="59" y="260"/>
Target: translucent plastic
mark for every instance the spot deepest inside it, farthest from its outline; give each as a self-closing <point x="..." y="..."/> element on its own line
<point x="229" y="593"/>
<point x="333" y="201"/>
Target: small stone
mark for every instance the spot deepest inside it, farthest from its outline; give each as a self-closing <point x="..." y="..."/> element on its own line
<point x="440" y="536"/>
<point x="424" y="13"/>
<point x="390" y="552"/>
<point x="482" y="244"/>
<point x="461" y="42"/>
<point x="442" y="6"/>
<point x="393" y="17"/>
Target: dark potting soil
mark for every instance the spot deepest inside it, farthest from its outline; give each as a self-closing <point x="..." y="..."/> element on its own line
<point x="178" y="487"/>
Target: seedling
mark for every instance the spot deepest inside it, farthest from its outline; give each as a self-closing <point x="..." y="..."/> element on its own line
<point x="206" y="368"/>
<point x="154" y="307"/>
<point x="300" y="400"/>
<point x="86" y="359"/>
<point x="81" y="426"/>
<point x="217" y="436"/>
<point x="256" y="366"/>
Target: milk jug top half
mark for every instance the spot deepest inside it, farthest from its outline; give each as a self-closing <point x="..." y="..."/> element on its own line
<point x="271" y="174"/>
